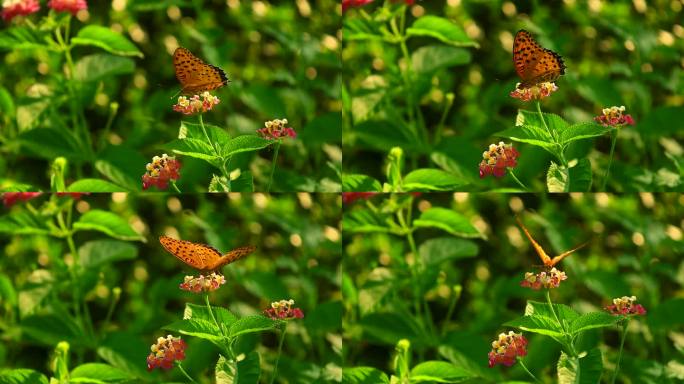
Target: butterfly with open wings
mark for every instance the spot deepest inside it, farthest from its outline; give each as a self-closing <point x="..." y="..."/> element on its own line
<point x="548" y="261"/>
<point x="202" y="257"/>
<point x="195" y="75"/>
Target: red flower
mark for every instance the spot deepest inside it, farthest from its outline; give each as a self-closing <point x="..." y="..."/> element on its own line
<point x="350" y="197"/>
<point x="283" y="310"/>
<point x="625" y="306"/>
<point x="72" y="6"/>
<point x="536" y="92"/>
<point x="165" y="352"/>
<point x="194" y="105"/>
<point x="507" y="348"/>
<point x="276" y="129"/>
<point x="12" y="8"/>
<point x="550" y="279"/>
<point x="73" y="195"/>
<point x="160" y="171"/>
<point x="614" y="117"/>
<point x="497" y="158"/>
<point x="11" y="198"/>
<point x="203" y="283"/>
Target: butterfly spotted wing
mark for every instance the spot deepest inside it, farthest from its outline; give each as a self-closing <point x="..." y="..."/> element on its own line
<point x="533" y="63"/>
<point x="548" y="261"/>
<point x="202" y="257"/>
<point x="194" y="74"/>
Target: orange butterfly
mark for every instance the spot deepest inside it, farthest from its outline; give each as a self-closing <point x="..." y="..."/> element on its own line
<point x="200" y="256"/>
<point x="533" y="63"/>
<point x="194" y="74"/>
<point x="548" y="262"/>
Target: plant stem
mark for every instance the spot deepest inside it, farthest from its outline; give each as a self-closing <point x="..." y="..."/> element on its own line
<point x="613" y="136"/>
<point x="211" y="312"/>
<point x="622" y="344"/>
<point x="442" y="120"/>
<point x="180" y="366"/>
<point x="528" y="371"/>
<point x="206" y="135"/>
<point x="553" y="311"/>
<point x="273" y="164"/>
<point x="280" y="351"/>
<point x="175" y="187"/>
<point x="510" y="170"/>
<point x="541" y="116"/>
<point x="450" y="311"/>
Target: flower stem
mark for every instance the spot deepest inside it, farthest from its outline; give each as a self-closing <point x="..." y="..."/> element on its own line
<point x="180" y="366"/>
<point x="280" y="351"/>
<point x="206" y="135"/>
<point x="445" y="113"/>
<point x="541" y="116"/>
<point x="613" y="136"/>
<point x="510" y="170"/>
<point x="175" y="187"/>
<point x="528" y="371"/>
<point x="273" y="164"/>
<point x="553" y="311"/>
<point x="211" y="312"/>
<point x="622" y="344"/>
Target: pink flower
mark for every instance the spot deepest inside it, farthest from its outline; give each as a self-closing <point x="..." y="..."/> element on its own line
<point x="283" y="310"/>
<point x="535" y="92"/>
<point x="194" y="105"/>
<point x="545" y="279"/>
<point x="497" y="158"/>
<point x="625" y="306"/>
<point x="614" y="117"/>
<point x="275" y="129"/>
<point x="507" y="348"/>
<point x="72" y="6"/>
<point x="165" y="352"/>
<point x="12" y="8"/>
<point x="11" y="198"/>
<point x="160" y="171"/>
<point x="203" y="283"/>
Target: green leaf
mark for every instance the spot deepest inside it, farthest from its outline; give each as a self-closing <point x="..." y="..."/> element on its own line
<point x="360" y="183"/>
<point x="122" y="165"/>
<point x="592" y="320"/>
<point x="662" y="121"/>
<point x="384" y="135"/>
<point x="107" y="39"/>
<point x="101" y="65"/>
<point x="50" y="143"/>
<point x="538" y="308"/>
<point x="23" y="223"/>
<point x="94" y="186"/>
<point x="96" y="253"/>
<point x="245" y="143"/>
<point x="265" y="100"/>
<point x="196" y="148"/>
<point x="529" y="134"/>
<point x="125" y="351"/>
<point x="447" y="220"/>
<point x="668" y="315"/>
<point x="251" y="324"/>
<point x="22" y="376"/>
<point x="98" y="372"/>
<point x="201" y="312"/>
<point x="108" y="223"/>
<point x="245" y="371"/>
<point x="438" y="372"/>
<point x="430" y="58"/>
<point x="585" y="370"/>
<point x="389" y="328"/>
<point x="440" y="249"/>
<point x="441" y="29"/>
<point x="580" y="176"/>
<point x="22" y="38"/>
<point x="51" y="329"/>
<point x="203" y="329"/>
<point x="7" y="292"/>
<point x="217" y="135"/>
<point x="537" y="324"/>
<point x="244" y="183"/>
<point x="325" y="317"/>
<point x="557" y="178"/>
<point x="431" y="179"/>
<point x="365" y="102"/>
<point x="582" y="131"/>
<point x="364" y="375"/>
<point x="31" y="113"/>
<point x="326" y="128"/>
<point x="7" y="107"/>
<point x="364" y="221"/>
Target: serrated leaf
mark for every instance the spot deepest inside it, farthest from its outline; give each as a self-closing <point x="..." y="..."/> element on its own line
<point x="537" y="324"/>
<point x="108" y="223"/>
<point x="251" y="324"/>
<point x="441" y="29"/>
<point x="431" y="179"/>
<point x="557" y="178"/>
<point x="592" y="320"/>
<point x="447" y="220"/>
<point x="582" y="131"/>
<point x="107" y="39"/>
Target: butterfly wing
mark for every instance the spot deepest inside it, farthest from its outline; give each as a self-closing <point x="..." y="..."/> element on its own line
<point x="234" y="255"/>
<point x="540" y="251"/>
<point x="565" y="254"/>
<point x="533" y="63"/>
<point x="194" y="74"/>
<point x="196" y="255"/>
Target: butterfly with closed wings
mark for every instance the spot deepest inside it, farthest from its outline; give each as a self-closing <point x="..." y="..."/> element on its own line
<point x="533" y="63"/>
<point x="194" y="74"/>
<point x="202" y="257"/>
<point x="548" y="261"/>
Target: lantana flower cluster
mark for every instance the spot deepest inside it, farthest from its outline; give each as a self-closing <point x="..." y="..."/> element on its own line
<point x="626" y="306"/>
<point x="165" y="351"/>
<point x="614" y="117"/>
<point x="544" y="279"/>
<point x="203" y="283"/>
<point x="11" y="198"/>
<point x="507" y="348"/>
<point x="196" y="105"/>
<point x="275" y="129"/>
<point x="535" y="92"/>
<point x="284" y="310"/>
<point x="497" y="158"/>
<point x="160" y="171"/>
<point x="13" y="8"/>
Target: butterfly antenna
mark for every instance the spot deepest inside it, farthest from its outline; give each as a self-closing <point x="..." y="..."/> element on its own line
<point x="176" y="94"/>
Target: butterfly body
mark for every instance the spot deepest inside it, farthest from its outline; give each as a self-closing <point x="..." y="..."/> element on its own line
<point x="548" y="261"/>
<point x="533" y="63"/>
<point x="200" y="256"/>
<point x="194" y="74"/>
